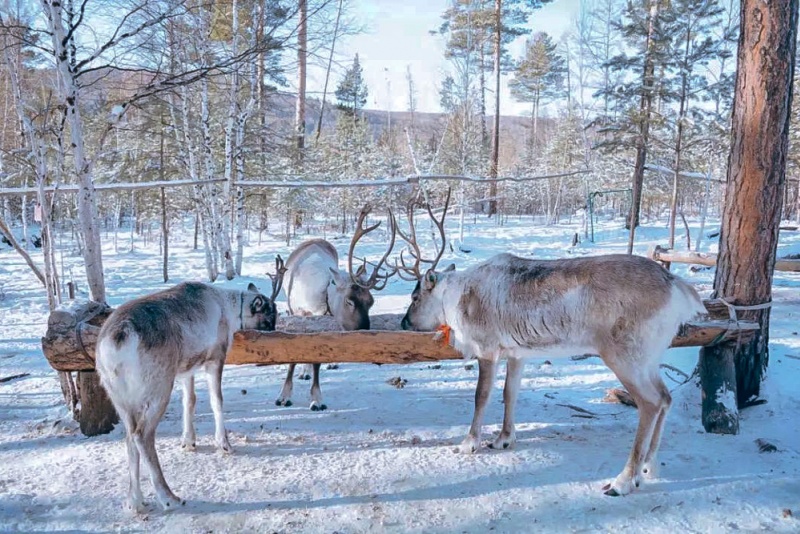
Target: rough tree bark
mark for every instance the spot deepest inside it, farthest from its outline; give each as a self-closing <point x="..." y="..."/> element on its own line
<point x="750" y="220"/>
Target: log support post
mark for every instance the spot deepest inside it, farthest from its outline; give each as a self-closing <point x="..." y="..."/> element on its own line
<point x="717" y="368"/>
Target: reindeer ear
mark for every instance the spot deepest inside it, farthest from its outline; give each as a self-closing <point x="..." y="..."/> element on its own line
<point x="252" y="287"/>
<point x="257" y="305"/>
<point x="430" y="280"/>
<point x="451" y="267"/>
<point x="335" y="274"/>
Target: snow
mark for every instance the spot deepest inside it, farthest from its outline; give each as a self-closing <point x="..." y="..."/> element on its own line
<point x="381" y="459"/>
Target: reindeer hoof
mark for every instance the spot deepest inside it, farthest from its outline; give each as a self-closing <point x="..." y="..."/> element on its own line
<point x="281" y="402"/>
<point x="611" y="492"/>
<point x="503" y="441"/>
<point x="189" y="447"/>
<point x="468" y="446"/>
<point x="318" y="407"/>
<point x="304" y="376"/>
<point x="170" y="502"/>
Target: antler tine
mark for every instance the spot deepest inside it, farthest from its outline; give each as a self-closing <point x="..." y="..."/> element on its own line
<point x="411" y="239"/>
<point x="277" y="278"/>
<point x="372" y="281"/>
<point x="358" y="233"/>
<point x="440" y="225"/>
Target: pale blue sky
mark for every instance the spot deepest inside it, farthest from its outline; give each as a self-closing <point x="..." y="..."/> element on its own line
<point x="398" y="36"/>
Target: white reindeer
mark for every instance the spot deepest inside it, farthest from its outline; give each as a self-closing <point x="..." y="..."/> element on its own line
<point x="625" y="308"/>
<point x="316" y="286"/>
<point x="147" y="343"/>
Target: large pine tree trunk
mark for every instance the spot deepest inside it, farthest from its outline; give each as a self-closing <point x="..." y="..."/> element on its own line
<point x="754" y="196"/>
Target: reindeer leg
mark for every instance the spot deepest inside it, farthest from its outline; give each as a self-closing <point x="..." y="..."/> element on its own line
<point x="305" y="372"/>
<point x="144" y="436"/>
<point x="214" y="376"/>
<point x="487" y="369"/>
<point x="648" y="402"/>
<point x="508" y="436"/>
<point x="649" y="468"/>
<point x="135" y="500"/>
<point x="189" y="438"/>
<point x="285" y="398"/>
<point x="316" y="392"/>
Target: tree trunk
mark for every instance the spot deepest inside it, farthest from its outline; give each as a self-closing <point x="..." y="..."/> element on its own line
<point x="756" y="174"/>
<point x="87" y="201"/>
<point x="645" y="105"/>
<point x="302" y="55"/>
<point x="495" y="160"/>
<point x="164" y="235"/>
<point x="673" y="207"/>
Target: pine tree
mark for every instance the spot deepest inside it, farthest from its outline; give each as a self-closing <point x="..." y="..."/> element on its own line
<point x="694" y="46"/>
<point x="648" y="53"/>
<point x="352" y="91"/>
<point x="539" y="77"/>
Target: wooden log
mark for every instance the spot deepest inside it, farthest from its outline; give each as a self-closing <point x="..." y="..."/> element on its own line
<point x="69" y="343"/>
<point x="708" y="259"/>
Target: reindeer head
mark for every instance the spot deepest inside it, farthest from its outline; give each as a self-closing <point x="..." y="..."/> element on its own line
<point x="263" y="312"/>
<point x="349" y="294"/>
<point x="426" y="311"/>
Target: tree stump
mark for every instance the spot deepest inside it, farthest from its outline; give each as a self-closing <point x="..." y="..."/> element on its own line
<point x="97" y="415"/>
<point x="72" y="329"/>
<point x="718" y="377"/>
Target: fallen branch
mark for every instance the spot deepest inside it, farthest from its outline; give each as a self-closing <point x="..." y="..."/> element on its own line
<point x="577" y="409"/>
<point x="675" y="370"/>
<point x="13" y="377"/>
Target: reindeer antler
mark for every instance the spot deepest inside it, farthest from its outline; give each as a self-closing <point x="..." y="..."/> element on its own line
<point x="277" y="278"/>
<point x="377" y="280"/>
<point x="411" y="239"/>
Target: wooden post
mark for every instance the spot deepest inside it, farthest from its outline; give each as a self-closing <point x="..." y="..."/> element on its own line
<point x="98" y="415"/>
<point x="718" y="376"/>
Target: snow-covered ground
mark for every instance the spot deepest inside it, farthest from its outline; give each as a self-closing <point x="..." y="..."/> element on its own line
<point x="381" y="459"/>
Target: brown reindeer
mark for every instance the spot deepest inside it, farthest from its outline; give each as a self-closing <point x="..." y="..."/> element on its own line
<point x="625" y="308"/>
<point x="150" y="341"/>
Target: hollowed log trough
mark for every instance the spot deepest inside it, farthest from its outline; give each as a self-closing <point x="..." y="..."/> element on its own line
<point x="69" y="344"/>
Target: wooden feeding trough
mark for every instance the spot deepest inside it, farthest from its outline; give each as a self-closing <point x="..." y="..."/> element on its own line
<point x="69" y="343"/>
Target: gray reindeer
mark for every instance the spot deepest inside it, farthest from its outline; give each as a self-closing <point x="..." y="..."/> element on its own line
<point x="625" y="308"/>
<point x="147" y="343"/>
<point x="316" y="286"/>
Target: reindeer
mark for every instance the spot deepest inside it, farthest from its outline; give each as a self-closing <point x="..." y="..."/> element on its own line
<point x="316" y="286"/>
<point x="625" y="308"/>
<point x="148" y="342"/>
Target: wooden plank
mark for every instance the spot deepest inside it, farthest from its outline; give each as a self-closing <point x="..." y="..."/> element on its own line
<point x="708" y="259"/>
<point x="70" y="340"/>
